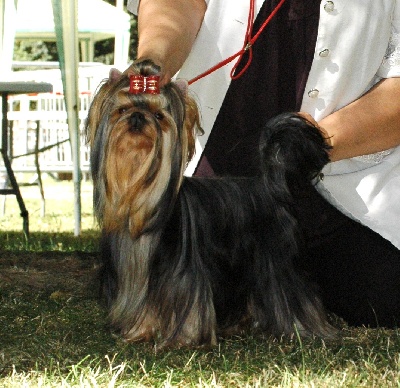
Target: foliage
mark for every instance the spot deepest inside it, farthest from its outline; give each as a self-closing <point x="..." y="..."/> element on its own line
<point x="32" y="51"/>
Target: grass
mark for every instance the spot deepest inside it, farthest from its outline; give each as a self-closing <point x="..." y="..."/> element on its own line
<point x="54" y="333"/>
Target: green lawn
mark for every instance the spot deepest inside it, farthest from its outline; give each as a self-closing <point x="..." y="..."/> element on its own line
<point x="54" y="332"/>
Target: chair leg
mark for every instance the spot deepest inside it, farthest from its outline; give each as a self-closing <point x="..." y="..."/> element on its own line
<point x="38" y="172"/>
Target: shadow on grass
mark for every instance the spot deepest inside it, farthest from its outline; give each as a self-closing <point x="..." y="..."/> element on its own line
<point x="53" y="322"/>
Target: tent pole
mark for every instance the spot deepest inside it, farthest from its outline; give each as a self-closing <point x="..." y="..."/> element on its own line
<point x="8" y="14"/>
<point x="66" y="25"/>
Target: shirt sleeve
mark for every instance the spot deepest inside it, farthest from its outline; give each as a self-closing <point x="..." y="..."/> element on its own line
<point x="390" y="66"/>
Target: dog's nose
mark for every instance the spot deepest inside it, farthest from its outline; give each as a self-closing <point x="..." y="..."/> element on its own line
<point x="137" y="120"/>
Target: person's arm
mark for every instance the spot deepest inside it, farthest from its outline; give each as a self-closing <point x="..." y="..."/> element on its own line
<point x="368" y="125"/>
<point x="167" y="30"/>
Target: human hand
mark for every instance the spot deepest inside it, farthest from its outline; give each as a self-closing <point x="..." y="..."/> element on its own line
<point x="147" y="66"/>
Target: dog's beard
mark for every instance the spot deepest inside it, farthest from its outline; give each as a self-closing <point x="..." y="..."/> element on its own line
<point x="139" y="156"/>
<point x="137" y="171"/>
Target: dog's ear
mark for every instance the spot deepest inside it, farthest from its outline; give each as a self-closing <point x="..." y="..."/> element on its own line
<point x="96" y="109"/>
<point x="182" y="85"/>
<point x="114" y="76"/>
<point x="191" y="125"/>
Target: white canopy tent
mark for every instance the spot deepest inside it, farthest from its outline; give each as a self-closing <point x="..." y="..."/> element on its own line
<point x="97" y="20"/>
<point x="68" y="22"/>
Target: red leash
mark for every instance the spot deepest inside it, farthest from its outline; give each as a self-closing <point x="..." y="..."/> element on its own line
<point x="247" y="46"/>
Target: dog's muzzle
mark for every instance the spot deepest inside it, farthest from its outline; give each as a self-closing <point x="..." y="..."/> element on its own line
<point x="137" y="121"/>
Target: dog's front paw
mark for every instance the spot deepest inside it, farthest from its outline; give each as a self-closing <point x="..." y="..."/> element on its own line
<point x="145" y="332"/>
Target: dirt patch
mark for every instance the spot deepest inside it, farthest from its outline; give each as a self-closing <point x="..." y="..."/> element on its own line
<point x="60" y="274"/>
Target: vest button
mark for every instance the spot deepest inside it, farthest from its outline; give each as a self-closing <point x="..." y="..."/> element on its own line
<point x="313" y="93"/>
<point x="329" y="6"/>
<point x="324" y="53"/>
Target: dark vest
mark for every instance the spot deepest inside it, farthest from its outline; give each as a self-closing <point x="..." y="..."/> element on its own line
<point x="274" y="83"/>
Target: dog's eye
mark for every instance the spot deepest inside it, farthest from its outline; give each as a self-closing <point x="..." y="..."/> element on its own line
<point x="122" y="110"/>
<point x="159" y="116"/>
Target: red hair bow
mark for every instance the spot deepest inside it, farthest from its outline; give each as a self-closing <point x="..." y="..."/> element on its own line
<point x="143" y="84"/>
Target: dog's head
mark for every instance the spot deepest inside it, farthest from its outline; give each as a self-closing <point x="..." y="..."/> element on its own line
<point x="140" y="146"/>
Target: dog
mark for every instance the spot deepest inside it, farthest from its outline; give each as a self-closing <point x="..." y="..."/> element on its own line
<point x="188" y="259"/>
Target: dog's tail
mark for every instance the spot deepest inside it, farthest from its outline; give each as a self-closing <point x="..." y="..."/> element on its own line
<point x="293" y="152"/>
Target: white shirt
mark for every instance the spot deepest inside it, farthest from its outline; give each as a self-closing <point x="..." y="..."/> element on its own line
<point x="358" y="44"/>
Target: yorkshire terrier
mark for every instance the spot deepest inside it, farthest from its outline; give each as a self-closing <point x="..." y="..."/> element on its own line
<point x="188" y="259"/>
